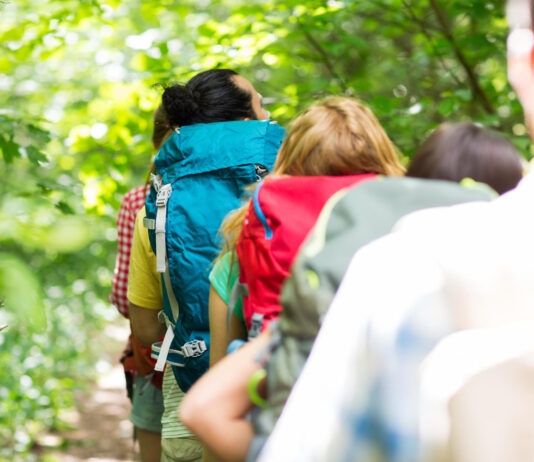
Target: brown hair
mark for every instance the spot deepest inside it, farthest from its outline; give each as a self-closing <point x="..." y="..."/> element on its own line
<point x="457" y="151"/>
<point x="338" y="136"/>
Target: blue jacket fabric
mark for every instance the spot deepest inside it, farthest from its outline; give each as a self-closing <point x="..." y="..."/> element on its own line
<point x="208" y="166"/>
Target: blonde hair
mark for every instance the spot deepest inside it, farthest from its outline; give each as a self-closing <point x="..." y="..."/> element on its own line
<point x="337" y="136"/>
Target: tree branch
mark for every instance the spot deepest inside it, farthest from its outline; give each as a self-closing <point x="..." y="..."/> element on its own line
<point x="427" y="33"/>
<point x="473" y="80"/>
<point x="325" y="57"/>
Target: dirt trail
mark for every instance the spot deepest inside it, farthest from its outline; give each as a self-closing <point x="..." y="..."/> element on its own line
<point x="102" y="432"/>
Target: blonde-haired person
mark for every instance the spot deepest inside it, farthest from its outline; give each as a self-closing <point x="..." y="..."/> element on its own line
<point x="335" y="137"/>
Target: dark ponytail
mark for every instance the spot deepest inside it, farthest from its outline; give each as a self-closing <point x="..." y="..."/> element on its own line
<point x="211" y="96"/>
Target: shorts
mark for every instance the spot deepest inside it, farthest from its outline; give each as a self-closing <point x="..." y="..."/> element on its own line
<point x="181" y="450"/>
<point x="147" y="407"/>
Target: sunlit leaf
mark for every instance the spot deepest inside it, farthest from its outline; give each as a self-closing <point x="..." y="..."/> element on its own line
<point x="65" y="208"/>
<point x="35" y="155"/>
<point x="21" y="291"/>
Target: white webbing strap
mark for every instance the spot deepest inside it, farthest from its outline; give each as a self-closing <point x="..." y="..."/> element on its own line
<point x="164" y="350"/>
<point x="161" y="217"/>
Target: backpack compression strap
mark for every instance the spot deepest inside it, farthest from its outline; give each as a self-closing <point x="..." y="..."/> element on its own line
<point x="164" y="192"/>
<point x="162" y="351"/>
<point x="165" y="354"/>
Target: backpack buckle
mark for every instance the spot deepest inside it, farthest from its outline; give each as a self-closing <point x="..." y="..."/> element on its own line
<point x="194" y="348"/>
<point x="261" y="171"/>
<point x="255" y="325"/>
<point x="156" y="180"/>
<point x="163" y="195"/>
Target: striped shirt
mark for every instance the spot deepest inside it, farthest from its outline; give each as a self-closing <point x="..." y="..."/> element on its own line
<point x="172" y="397"/>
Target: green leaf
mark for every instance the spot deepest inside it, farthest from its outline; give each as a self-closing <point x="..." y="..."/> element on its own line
<point x="38" y="135"/>
<point x="463" y="94"/>
<point x="65" y="208"/>
<point x="447" y="106"/>
<point x="44" y="188"/>
<point x="10" y="149"/>
<point x="382" y="104"/>
<point x="35" y="156"/>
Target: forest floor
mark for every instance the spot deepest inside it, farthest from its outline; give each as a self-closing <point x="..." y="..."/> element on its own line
<point x="99" y="427"/>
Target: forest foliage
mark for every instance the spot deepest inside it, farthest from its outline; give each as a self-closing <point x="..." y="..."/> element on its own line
<point x="78" y="86"/>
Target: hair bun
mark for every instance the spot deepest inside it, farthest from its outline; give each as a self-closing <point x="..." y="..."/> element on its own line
<point x="180" y="104"/>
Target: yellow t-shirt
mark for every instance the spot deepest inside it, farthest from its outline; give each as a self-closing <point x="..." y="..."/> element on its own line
<point x="144" y="282"/>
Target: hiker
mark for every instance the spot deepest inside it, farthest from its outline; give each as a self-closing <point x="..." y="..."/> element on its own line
<point x="332" y="145"/>
<point x="222" y="141"/>
<point x="143" y="385"/>
<point x="455" y="151"/>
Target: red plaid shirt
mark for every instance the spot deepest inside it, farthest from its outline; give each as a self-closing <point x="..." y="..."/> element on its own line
<point x="133" y="201"/>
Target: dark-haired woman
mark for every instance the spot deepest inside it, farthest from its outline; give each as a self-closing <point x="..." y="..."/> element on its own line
<point x="218" y="95"/>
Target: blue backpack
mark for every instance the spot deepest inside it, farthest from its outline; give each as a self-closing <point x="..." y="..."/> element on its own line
<point x="202" y="170"/>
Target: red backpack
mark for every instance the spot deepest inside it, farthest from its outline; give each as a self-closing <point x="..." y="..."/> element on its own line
<point x="282" y="212"/>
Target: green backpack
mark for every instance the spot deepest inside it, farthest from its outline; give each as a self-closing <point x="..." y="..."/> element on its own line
<point x="350" y="219"/>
